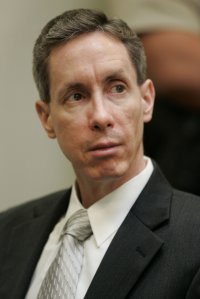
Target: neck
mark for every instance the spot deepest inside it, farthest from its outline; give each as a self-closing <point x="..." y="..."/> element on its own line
<point x="90" y="191"/>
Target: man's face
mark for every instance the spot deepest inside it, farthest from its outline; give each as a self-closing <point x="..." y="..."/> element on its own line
<point x="97" y="109"/>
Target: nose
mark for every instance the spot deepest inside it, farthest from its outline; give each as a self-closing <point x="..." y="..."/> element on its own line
<point x="101" y="117"/>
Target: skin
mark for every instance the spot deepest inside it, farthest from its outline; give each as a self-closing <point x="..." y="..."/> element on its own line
<point x="97" y="112"/>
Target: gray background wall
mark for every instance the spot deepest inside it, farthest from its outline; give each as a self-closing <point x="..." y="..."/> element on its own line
<point x="30" y="164"/>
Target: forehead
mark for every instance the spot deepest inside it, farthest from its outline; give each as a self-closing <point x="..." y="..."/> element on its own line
<point x="95" y="52"/>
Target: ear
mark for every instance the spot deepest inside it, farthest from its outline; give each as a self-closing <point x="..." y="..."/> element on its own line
<point x="44" y="113"/>
<point x="148" y="97"/>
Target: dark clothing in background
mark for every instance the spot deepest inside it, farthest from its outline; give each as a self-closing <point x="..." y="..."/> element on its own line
<point x="172" y="138"/>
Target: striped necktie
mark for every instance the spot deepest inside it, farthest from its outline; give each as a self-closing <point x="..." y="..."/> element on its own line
<point x="62" y="277"/>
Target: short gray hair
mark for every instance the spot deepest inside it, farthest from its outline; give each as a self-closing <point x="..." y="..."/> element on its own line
<point x="73" y="23"/>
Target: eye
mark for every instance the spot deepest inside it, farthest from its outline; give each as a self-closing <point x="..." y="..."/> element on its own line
<point x="119" y="88"/>
<point x="75" y="97"/>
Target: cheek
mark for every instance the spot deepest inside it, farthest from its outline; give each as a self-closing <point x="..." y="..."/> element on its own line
<point x="133" y="124"/>
<point x="71" y="136"/>
<point x="64" y="125"/>
<point x="66" y="131"/>
<point x="133" y="117"/>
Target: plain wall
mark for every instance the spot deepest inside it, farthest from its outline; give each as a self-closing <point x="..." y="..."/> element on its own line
<point x="31" y="165"/>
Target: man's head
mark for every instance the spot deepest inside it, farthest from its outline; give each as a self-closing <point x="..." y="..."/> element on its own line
<point x="97" y="98"/>
<point x="73" y="23"/>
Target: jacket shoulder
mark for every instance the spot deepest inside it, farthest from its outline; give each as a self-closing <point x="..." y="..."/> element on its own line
<point x="186" y="199"/>
<point x="186" y="205"/>
<point x="39" y="205"/>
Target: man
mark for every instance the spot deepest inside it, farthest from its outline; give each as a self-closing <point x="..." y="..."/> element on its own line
<point x="145" y="240"/>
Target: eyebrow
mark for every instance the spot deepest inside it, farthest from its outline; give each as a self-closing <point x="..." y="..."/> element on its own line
<point x="70" y="87"/>
<point x="116" y="73"/>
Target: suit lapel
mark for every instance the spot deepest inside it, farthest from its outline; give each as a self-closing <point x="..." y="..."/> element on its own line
<point x="129" y="254"/>
<point x="135" y="245"/>
<point x="26" y="242"/>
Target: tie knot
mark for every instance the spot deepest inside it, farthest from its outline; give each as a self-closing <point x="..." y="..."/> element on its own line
<point x="78" y="226"/>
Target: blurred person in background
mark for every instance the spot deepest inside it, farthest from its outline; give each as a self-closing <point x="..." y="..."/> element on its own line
<point x="170" y="31"/>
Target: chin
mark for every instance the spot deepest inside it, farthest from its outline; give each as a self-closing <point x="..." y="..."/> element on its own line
<point x="110" y="173"/>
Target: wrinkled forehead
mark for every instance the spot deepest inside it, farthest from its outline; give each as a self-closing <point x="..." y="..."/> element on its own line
<point x="95" y="47"/>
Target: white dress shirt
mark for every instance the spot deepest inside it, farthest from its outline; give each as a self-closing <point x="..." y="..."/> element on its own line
<point x="106" y="216"/>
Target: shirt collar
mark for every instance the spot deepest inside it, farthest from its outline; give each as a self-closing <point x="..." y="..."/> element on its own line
<point x="107" y="214"/>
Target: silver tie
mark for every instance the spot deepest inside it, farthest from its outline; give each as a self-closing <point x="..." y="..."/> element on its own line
<point x="62" y="277"/>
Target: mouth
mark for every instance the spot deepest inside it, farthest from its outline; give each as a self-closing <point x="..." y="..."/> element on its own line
<point x="104" y="149"/>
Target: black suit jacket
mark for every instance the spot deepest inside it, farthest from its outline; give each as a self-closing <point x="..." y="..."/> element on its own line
<point x="154" y="255"/>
